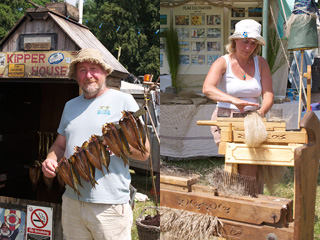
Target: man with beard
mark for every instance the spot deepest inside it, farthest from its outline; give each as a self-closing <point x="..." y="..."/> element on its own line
<point x="102" y="212"/>
<point x="7" y="234"/>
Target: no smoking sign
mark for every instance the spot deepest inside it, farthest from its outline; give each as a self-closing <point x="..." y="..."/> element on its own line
<point x="39" y="218"/>
<point x="39" y="222"/>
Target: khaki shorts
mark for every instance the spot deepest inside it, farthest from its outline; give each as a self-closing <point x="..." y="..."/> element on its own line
<point x="88" y="221"/>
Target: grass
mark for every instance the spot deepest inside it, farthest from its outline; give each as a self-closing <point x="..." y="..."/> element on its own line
<point x="285" y="189"/>
<point x="143" y="183"/>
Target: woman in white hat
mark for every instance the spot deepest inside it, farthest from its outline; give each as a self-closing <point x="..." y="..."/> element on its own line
<point x="238" y="79"/>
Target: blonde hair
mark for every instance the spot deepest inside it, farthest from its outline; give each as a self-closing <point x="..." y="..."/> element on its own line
<point x="231" y="47"/>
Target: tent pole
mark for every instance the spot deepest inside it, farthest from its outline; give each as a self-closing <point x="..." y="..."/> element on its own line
<point x="265" y="28"/>
<point x="300" y="88"/>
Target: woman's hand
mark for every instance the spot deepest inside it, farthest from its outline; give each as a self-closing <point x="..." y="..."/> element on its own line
<point x="241" y="104"/>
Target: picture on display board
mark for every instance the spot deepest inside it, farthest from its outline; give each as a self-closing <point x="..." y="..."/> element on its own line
<point x="213" y="20"/>
<point x="198" y="59"/>
<point x="255" y="12"/>
<point x="197" y="19"/>
<point x="163" y="20"/>
<point x="182" y="20"/>
<point x="198" y="46"/>
<point x="213" y="32"/>
<point x="213" y="46"/>
<point x="184" y="60"/>
<point x="212" y="58"/>
<point x="184" y="46"/>
<point x="197" y="32"/>
<point x="238" y="13"/>
<point x="183" y="32"/>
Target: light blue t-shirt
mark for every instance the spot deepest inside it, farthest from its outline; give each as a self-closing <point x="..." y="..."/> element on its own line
<point x="82" y="118"/>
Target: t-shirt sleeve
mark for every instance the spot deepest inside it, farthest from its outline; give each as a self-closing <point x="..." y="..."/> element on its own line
<point x="62" y="125"/>
<point x="132" y="104"/>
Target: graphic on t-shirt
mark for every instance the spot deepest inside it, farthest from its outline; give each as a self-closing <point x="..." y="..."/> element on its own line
<point x="104" y="110"/>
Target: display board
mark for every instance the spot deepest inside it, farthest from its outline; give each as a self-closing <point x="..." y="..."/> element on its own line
<point x="199" y="30"/>
<point x="203" y="32"/>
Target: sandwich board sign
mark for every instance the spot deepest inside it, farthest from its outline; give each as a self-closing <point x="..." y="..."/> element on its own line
<point x="39" y="223"/>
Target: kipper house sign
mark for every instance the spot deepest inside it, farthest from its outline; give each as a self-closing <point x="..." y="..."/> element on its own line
<point x="48" y="64"/>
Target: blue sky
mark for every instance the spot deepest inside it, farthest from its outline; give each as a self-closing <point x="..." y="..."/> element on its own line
<point x="73" y="2"/>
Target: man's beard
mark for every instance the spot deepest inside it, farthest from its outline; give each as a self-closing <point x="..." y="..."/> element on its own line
<point x="5" y="232"/>
<point x="91" y="88"/>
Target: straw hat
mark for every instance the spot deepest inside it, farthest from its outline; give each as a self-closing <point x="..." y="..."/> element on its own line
<point x="88" y="55"/>
<point x="248" y="28"/>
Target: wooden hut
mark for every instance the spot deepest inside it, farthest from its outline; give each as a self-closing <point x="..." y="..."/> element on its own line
<point x="34" y="59"/>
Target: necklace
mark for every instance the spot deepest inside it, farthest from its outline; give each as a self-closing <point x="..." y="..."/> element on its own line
<point x="243" y="68"/>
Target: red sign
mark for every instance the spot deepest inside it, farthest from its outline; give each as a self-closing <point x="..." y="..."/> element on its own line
<point x="46" y="64"/>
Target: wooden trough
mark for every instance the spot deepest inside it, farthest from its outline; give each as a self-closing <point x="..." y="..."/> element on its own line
<point x="262" y="217"/>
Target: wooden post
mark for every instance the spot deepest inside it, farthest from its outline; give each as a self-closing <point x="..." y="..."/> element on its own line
<point x="308" y="76"/>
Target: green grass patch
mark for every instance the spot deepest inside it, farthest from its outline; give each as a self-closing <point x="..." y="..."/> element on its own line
<point x="143" y="183"/>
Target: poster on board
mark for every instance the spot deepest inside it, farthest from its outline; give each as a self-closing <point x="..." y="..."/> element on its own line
<point x="12" y="224"/>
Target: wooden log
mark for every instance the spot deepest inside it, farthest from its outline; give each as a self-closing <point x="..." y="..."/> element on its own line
<point x="275" y="155"/>
<point x="223" y="207"/>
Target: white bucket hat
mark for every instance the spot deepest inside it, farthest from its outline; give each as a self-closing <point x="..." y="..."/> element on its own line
<point x="248" y="28"/>
<point x="88" y="55"/>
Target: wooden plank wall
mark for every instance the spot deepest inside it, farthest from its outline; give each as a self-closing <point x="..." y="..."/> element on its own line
<point x="40" y="26"/>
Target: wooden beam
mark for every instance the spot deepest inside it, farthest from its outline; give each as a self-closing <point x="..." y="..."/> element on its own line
<point x="279" y="137"/>
<point x="223" y="207"/>
<point x="239" y="125"/>
<point x="274" y="155"/>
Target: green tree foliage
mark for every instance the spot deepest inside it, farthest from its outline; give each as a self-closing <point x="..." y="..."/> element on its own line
<point x="12" y="10"/>
<point x="139" y="51"/>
